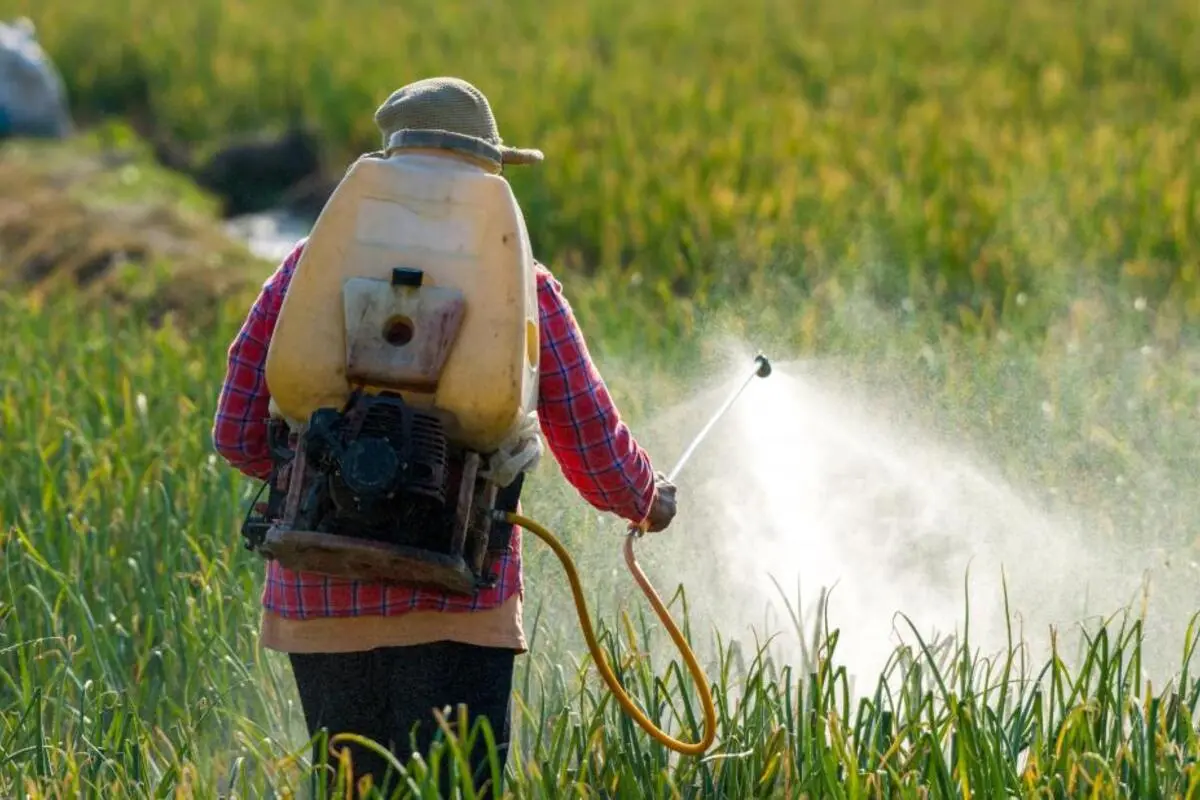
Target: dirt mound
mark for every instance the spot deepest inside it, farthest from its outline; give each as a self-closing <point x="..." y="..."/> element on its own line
<point x="65" y="224"/>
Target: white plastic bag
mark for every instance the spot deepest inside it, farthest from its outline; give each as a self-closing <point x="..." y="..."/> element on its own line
<point x="521" y="452"/>
<point x="33" y="98"/>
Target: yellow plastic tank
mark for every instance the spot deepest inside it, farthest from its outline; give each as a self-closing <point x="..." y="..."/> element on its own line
<point x="459" y="228"/>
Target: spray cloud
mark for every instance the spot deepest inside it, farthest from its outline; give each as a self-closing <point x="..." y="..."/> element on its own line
<point x="805" y="486"/>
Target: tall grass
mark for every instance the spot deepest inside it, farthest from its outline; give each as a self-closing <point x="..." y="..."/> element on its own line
<point x="952" y="155"/>
<point x="129" y="663"/>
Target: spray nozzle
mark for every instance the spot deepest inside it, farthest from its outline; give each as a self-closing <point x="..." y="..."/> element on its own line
<point x="764" y="366"/>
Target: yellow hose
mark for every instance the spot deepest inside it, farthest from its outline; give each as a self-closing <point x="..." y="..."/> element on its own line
<point x="710" y="714"/>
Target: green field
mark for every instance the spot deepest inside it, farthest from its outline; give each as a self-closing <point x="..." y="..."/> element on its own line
<point x="952" y="157"/>
<point x="981" y="221"/>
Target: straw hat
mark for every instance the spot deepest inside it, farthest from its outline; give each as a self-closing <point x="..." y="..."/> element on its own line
<point x="446" y="113"/>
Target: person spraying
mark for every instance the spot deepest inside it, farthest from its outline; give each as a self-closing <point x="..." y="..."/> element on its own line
<point x="389" y="385"/>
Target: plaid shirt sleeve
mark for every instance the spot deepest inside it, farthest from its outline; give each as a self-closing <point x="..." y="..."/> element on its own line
<point x="593" y="446"/>
<point x="239" y="431"/>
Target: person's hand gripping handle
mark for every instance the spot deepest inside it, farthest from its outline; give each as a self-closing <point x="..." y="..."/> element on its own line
<point x="662" y="508"/>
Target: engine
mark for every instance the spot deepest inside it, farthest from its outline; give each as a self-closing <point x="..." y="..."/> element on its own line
<point x="386" y="473"/>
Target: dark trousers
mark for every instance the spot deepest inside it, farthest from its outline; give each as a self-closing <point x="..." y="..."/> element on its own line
<point x="382" y="694"/>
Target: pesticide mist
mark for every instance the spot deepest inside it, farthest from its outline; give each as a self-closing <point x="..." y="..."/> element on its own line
<point x="807" y="487"/>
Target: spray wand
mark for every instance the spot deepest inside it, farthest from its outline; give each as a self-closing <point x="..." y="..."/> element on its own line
<point x="762" y="368"/>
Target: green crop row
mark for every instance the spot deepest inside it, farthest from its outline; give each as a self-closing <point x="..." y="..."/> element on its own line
<point x="130" y="665"/>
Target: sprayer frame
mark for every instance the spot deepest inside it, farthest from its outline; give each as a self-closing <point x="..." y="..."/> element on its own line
<point x="464" y="570"/>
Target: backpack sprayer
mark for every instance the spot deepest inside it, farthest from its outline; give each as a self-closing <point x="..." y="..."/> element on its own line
<point x="403" y="372"/>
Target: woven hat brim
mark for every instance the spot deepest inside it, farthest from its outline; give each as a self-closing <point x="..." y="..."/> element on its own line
<point x="496" y="153"/>
<point x="520" y="156"/>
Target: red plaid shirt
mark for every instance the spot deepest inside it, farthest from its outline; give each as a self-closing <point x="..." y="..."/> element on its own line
<point x="595" y="449"/>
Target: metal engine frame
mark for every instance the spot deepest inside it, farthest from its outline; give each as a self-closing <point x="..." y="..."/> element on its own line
<point x="422" y="515"/>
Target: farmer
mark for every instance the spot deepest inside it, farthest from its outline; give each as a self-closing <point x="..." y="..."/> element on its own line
<point x="376" y="660"/>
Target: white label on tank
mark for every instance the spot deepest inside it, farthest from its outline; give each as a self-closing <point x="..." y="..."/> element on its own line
<point x="397" y="226"/>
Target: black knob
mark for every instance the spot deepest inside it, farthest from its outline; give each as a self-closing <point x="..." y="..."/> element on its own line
<point x="407" y="276"/>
